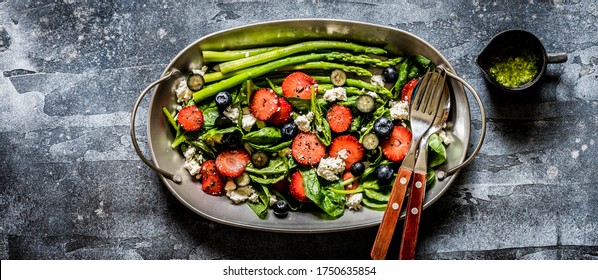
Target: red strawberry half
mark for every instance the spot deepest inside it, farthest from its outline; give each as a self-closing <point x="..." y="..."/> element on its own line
<point x="339" y="118"/>
<point x="307" y="149"/>
<point x="298" y="84"/>
<point x="232" y="163"/>
<point x="395" y="147"/>
<point x="349" y="143"/>
<point x="264" y="103"/>
<point x="408" y="90"/>
<point x="284" y="112"/>
<point x="190" y="118"/>
<point x="211" y="181"/>
<point x="296" y="188"/>
<point x="281" y="186"/>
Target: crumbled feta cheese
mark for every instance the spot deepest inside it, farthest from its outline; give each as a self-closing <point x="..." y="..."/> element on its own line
<point x="399" y="110"/>
<point x="337" y="93"/>
<point x="182" y="92"/>
<point x="192" y="166"/>
<point x="232" y="113"/>
<point x="201" y="71"/>
<point x="377" y="80"/>
<point x="304" y="121"/>
<point x="248" y="120"/>
<point x="273" y="200"/>
<point x="372" y="94"/>
<point x="354" y="201"/>
<point x="446" y="138"/>
<point x="328" y="168"/>
<point x="240" y="194"/>
<point x="190" y="152"/>
<point x="342" y="154"/>
<point x="254" y="198"/>
<point x="230" y="186"/>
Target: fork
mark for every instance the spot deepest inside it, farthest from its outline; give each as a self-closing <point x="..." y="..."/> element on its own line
<point x="418" y="184"/>
<point x="423" y="109"/>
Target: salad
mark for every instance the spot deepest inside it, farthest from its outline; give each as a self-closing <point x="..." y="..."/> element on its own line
<point x="314" y="126"/>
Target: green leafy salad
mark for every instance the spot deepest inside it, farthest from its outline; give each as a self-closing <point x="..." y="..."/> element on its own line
<point x="317" y="126"/>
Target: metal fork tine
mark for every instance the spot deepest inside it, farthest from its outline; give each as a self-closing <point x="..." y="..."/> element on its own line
<point x="415" y="103"/>
<point x="436" y="93"/>
<point x="427" y="98"/>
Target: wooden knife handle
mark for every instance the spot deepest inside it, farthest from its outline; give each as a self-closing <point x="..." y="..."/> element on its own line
<point x="391" y="215"/>
<point x="417" y="193"/>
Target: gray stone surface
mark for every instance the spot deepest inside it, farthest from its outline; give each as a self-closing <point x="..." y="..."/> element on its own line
<point x="72" y="187"/>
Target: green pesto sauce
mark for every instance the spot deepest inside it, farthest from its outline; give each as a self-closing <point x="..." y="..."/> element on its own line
<point x="512" y="71"/>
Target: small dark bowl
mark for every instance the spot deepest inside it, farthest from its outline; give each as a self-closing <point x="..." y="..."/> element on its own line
<point x="516" y="42"/>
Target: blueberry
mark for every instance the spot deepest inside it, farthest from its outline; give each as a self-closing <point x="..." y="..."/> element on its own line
<point x="390" y="74"/>
<point x="289" y="130"/>
<point x="223" y="122"/>
<point x="384" y="173"/>
<point x="223" y="99"/>
<point x="231" y="140"/>
<point x="281" y="208"/>
<point x="383" y="127"/>
<point x="357" y="169"/>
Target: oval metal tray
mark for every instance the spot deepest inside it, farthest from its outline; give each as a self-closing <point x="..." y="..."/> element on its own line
<point x="221" y="209"/>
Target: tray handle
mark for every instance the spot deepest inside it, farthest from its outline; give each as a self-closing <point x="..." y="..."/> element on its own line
<point x="441" y="175"/>
<point x="174" y="73"/>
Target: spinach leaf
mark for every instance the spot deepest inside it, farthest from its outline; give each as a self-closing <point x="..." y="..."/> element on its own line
<point x="210" y="115"/>
<point x="322" y="128"/>
<point x="260" y="208"/>
<point x="205" y="149"/>
<point x="271" y="148"/>
<point x="436" y="151"/>
<point x="330" y="202"/>
<point x="263" y="136"/>
<point x="373" y="204"/>
<point x="277" y="165"/>
<point x="266" y="181"/>
<point x="430" y="178"/>
<point x="214" y="135"/>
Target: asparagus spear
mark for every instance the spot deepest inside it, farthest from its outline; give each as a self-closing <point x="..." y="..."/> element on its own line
<point x="251" y="73"/>
<point x="215" y="56"/>
<point x="323" y="65"/>
<point x="293" y="49"/>
<point x="332" y="56"/>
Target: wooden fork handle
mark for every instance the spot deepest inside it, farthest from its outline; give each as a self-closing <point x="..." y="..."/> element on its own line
<point x="414" y="209"/>
<point x="391" y="215"/>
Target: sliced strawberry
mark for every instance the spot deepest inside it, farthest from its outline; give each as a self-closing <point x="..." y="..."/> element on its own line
<point x="296" y="188"/>
<point x="284" y="112"/>
<point x="395" y="147"/>
<point x="307" y="149"/>
<point x="211" y="181"/>
<point x="346" y="176"/>
<point x="299" y="84"/>
<point x="190" y="118"/>
<point x="349" y="143"/>
<point x="339" y="118"/>
<point x="281" y="186"/>
<point x="232" y="163"/>
<point x="408" y="90"/>
<point x="264" y="103"/>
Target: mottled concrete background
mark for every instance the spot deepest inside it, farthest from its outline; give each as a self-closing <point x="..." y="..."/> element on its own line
<point x="72" y="187"/>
